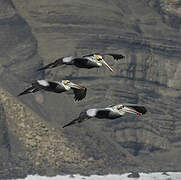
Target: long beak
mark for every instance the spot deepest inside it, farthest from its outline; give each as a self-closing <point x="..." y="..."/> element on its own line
<point x="129" y="110"/>
<point x="105" y="63"/>
<point x="77" y="86"/>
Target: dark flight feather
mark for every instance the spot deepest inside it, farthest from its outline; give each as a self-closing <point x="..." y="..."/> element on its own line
<point x="71" y="123"/>
<point x="29" y="90"/>
<point x="82" y="117"/>
<point x="79" y="93"/>
<point x="56" y="63"/>
<point x="116" y="56"/>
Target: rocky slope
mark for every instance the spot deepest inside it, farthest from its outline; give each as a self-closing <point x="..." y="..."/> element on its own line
<point x="34" y="146"/>
<point x="170" y="11"/>
<point x="149" y="36"/>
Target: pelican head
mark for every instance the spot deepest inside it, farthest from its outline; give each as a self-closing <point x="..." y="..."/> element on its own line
<point x="123" y="109"/>
<point x="101" y="61"/>
<point x="68" y="85"/>
<point x="65" y="84"/>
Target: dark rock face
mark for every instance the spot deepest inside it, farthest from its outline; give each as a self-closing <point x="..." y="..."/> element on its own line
<point x="18" y="59"/>
<point x="147" y="32"/>
<point x="4" y="139"/>
<point x="18" y="52"/>
<point x="170" y="11"/>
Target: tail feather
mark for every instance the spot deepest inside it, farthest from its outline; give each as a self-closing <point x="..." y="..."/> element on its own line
<point x="29" y="90"/>
<point x="58" y="62"/>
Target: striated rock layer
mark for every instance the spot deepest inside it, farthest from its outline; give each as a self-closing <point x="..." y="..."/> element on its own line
<point x="147" y="32"/>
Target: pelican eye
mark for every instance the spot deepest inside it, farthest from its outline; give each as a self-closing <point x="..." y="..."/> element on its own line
<point x="120" y="107"/>
<point x="98" y="57"/>
<point x="66" y="82"/>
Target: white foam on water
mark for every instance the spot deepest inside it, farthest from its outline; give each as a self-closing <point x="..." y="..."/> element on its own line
<point x="143" y="176"/>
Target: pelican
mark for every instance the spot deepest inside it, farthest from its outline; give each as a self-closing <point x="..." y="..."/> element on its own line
<point x="86" y="61"/>
<point x="57" y="87"/>
<point x="110" y="112"/>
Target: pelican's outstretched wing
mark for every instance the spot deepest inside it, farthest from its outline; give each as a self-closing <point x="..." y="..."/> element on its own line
<point x="138" y="108"/>
<point x="79" y="93"/>
<point x="82" y="117"/>
<point x="54" y="64"/>
<point x="36" y="86"/>
<point x="31" y="89"/>
<point x="88" y="55"/>
<point x="116" y="56"/>
<point x="72" y="122"/>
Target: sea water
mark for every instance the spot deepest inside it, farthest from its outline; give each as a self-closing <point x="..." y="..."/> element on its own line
<point x="143" y="176"/>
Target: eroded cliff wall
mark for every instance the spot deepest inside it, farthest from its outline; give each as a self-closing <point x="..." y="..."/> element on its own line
<point x="144" y="31"/>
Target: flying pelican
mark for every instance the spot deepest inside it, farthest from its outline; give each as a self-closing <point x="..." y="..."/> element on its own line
<point x="110" y="112"/>
<point x="86" y="61"/>
<point x="57" y="87"/>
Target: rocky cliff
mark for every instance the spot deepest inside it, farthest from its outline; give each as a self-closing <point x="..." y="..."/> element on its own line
<point x="146" y="31"/>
